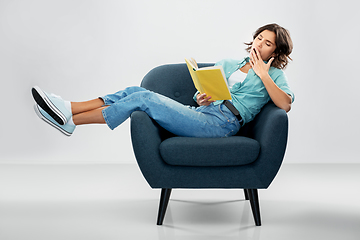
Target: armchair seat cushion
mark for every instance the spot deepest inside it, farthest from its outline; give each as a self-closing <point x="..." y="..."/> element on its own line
<point x="209" y="152"/>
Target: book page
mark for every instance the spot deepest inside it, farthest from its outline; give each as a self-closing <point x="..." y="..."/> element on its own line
<point x="194" y="76"/>
<point x="194" y="63"/>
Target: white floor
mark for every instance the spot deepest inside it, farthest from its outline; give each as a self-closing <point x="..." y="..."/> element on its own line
<point x="114" y="202"/>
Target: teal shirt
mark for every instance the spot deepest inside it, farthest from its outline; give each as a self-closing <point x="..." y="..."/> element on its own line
<point x="250" y="95"/>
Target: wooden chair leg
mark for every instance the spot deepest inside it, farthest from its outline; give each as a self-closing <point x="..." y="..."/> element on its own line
<point x="164" y="200"/>
<point x="254" y="202"/>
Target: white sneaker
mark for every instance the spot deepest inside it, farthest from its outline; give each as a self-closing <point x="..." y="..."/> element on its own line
<point x="66" y="129"/>
<point x="54" y="105"/>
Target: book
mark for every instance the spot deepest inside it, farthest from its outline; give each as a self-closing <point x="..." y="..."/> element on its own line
<point x="209" y="80"/>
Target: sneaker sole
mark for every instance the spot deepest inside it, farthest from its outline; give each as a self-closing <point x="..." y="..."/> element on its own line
<point x="49" y="122"/>
<point x="44" y="102"/>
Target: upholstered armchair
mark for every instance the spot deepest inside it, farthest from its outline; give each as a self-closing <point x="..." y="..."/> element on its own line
<point x="249" y="160"/>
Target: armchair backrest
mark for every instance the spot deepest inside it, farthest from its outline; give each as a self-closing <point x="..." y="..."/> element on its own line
<point x="172" y="80"/>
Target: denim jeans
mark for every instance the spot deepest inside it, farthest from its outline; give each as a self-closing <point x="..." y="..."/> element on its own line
<point x="187" y="121"/>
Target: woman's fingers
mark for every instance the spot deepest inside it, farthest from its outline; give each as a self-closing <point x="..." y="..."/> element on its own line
<point x="199" y="97"/>
<point x="202" y="100"/>
<point x="257" y="54"/>
<point x="206" y="100"/>
<point x="270" y="61"/>
<point x="202" y="96"/>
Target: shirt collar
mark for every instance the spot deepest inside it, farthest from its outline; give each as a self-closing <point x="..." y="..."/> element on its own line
<point x="242" y="62"/>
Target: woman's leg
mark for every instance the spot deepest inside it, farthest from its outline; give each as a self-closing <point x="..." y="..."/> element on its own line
<point x="89" y="117"/>
<point x="81" y="107"/>
<point x="210" y="121"/>
<point x="113" y="109"/>
<point x="89" y="112"/>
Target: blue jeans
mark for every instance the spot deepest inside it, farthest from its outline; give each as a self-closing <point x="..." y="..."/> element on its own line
<point x="203" y="121"/>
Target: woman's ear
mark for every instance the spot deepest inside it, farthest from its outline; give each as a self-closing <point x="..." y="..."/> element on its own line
<point x="273" y="55"/>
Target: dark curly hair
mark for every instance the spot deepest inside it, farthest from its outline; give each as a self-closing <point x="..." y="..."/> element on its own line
<point x="284" y="44"/>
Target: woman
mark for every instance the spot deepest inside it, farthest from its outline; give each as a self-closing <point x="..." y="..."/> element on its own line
<point x="254" y="81"/>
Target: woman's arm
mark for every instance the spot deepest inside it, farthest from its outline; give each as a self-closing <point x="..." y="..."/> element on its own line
<point x="280" y="98"/>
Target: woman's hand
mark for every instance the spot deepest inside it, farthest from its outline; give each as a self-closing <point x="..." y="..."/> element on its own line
<point x="202" y="100"/>
<point x="256" y="62"/>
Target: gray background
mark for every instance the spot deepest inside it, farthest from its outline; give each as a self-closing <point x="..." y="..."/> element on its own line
<point x="84" y="49"/>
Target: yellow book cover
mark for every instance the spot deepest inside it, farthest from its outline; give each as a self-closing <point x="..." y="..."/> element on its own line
<point x="209" y="80"/>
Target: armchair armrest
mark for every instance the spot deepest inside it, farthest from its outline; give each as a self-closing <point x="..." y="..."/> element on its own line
<point x="146" y="139"/>
<point x="270" y="129"/>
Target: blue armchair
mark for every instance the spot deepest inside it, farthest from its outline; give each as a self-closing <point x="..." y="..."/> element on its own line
<point x="249" y="160"/>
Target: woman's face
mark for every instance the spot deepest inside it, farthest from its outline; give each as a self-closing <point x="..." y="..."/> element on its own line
<point x="265" y="44"/>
